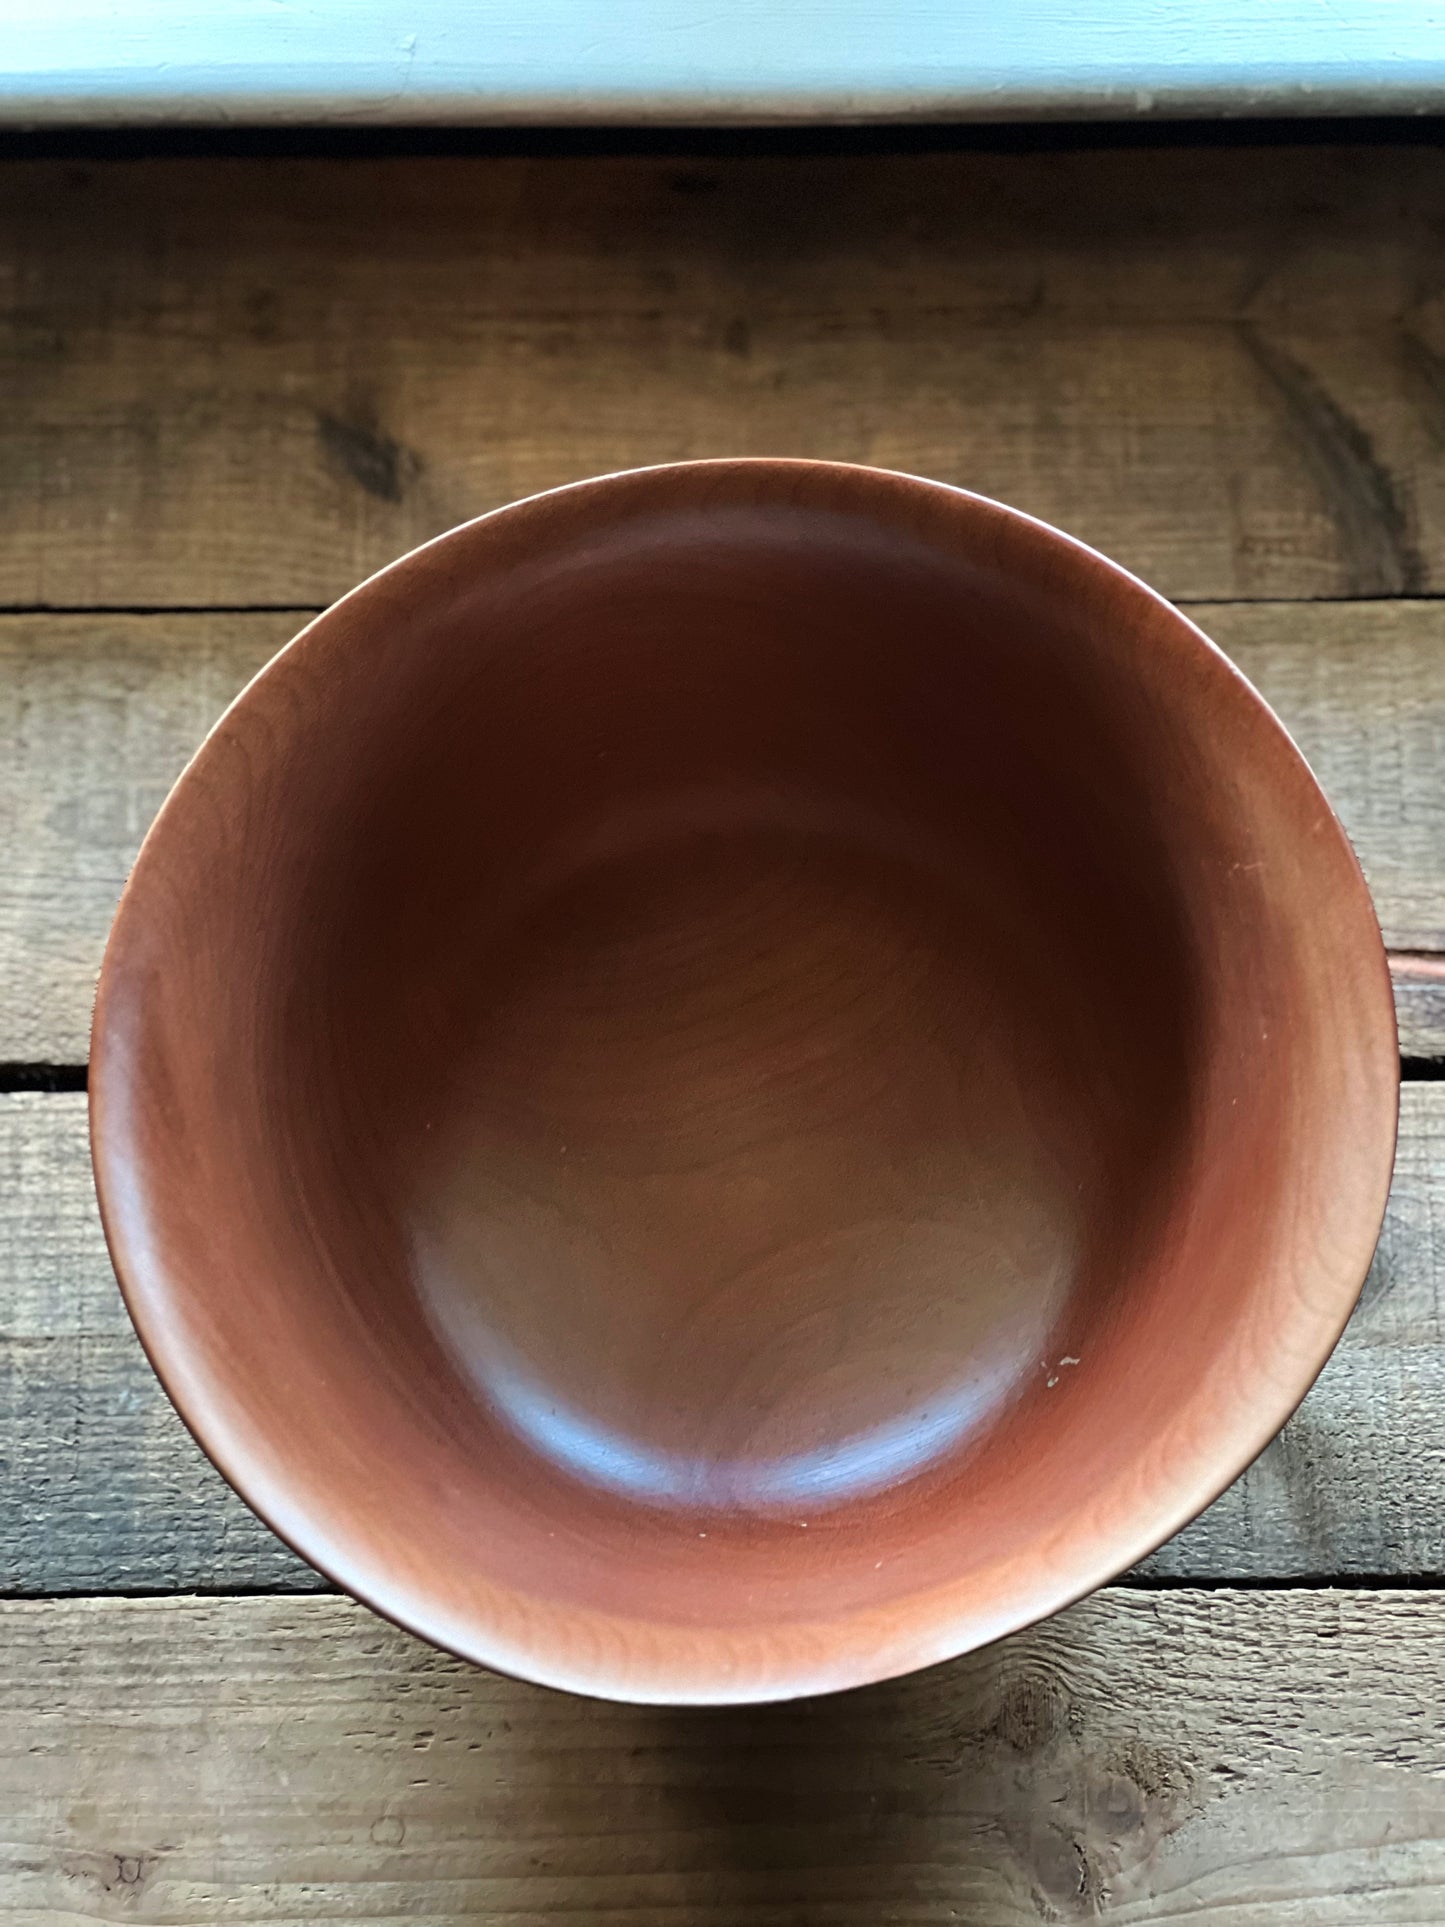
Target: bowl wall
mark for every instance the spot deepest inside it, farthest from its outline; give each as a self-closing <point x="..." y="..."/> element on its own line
<point x="741" y="1077"/>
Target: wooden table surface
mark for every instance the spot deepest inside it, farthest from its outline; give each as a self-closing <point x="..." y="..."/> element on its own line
<point x="231" y="386"/>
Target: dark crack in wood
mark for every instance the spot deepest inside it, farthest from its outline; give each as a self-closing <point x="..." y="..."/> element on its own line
<point x="1355" y="486"/>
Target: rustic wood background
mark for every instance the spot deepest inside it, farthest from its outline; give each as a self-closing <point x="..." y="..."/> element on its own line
<point x="231" y="386"/>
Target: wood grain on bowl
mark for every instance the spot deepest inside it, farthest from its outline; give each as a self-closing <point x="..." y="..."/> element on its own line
<point x="739" y="1078"/>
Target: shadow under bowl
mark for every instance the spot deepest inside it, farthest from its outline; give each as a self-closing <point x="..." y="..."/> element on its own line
<point x="739" y="1078"/>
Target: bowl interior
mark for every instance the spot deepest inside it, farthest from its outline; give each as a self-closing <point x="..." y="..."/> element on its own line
<point x="711" y="1062"/>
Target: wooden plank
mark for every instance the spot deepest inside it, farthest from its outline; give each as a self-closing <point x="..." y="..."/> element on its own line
<point x="464" y="61"/>
<point x="1355" y="1483"/>
<point x="1420" y="1004"/>
<point x="101" y="712"/>
<point x="101" y="1488"/>
<point x="245" y="382"/>
<point x="1362" y="691"/>
<point x="98" y="717"/>
<point x="187" y="1761"/>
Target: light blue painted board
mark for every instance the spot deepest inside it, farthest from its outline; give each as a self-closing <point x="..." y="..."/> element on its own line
<point x="377" y="61"/>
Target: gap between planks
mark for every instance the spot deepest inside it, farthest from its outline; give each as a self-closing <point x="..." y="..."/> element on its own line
<point x="54" y="1078"/>
<point x="306" y="612"/>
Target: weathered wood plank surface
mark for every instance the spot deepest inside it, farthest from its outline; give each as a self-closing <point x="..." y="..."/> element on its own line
<point x="1235" y="1759"/>
<point x="101" y="1488"/>
<point x="98" y="717"/>
<point x="1361" y="687"/>
<point x="99" y="714"/>
<point x="1420" y="1004"/>
<point x="252" y="381"/>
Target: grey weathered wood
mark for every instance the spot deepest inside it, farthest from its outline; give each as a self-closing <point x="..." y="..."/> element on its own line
<point x="1258" y="1759"/>
<point x="97" y="719"/>
<point x="1362" y="690"/>
<point x="1355" y="1483"/>
<point x="99" y="713"/>
<point x="102" y="1489"/>
<point x="1420" y="1004"/>
<point x="101" y="1486"/>
<point x="240" y="382"/>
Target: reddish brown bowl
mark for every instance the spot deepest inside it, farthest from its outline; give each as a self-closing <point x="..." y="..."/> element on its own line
<point x="740" y="1078"/>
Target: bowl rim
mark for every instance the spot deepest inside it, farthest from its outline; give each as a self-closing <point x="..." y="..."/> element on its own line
<point x="945" y="1634"/>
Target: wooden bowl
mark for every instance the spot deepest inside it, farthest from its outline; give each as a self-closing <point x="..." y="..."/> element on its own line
<point x="740" y="1078"/>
